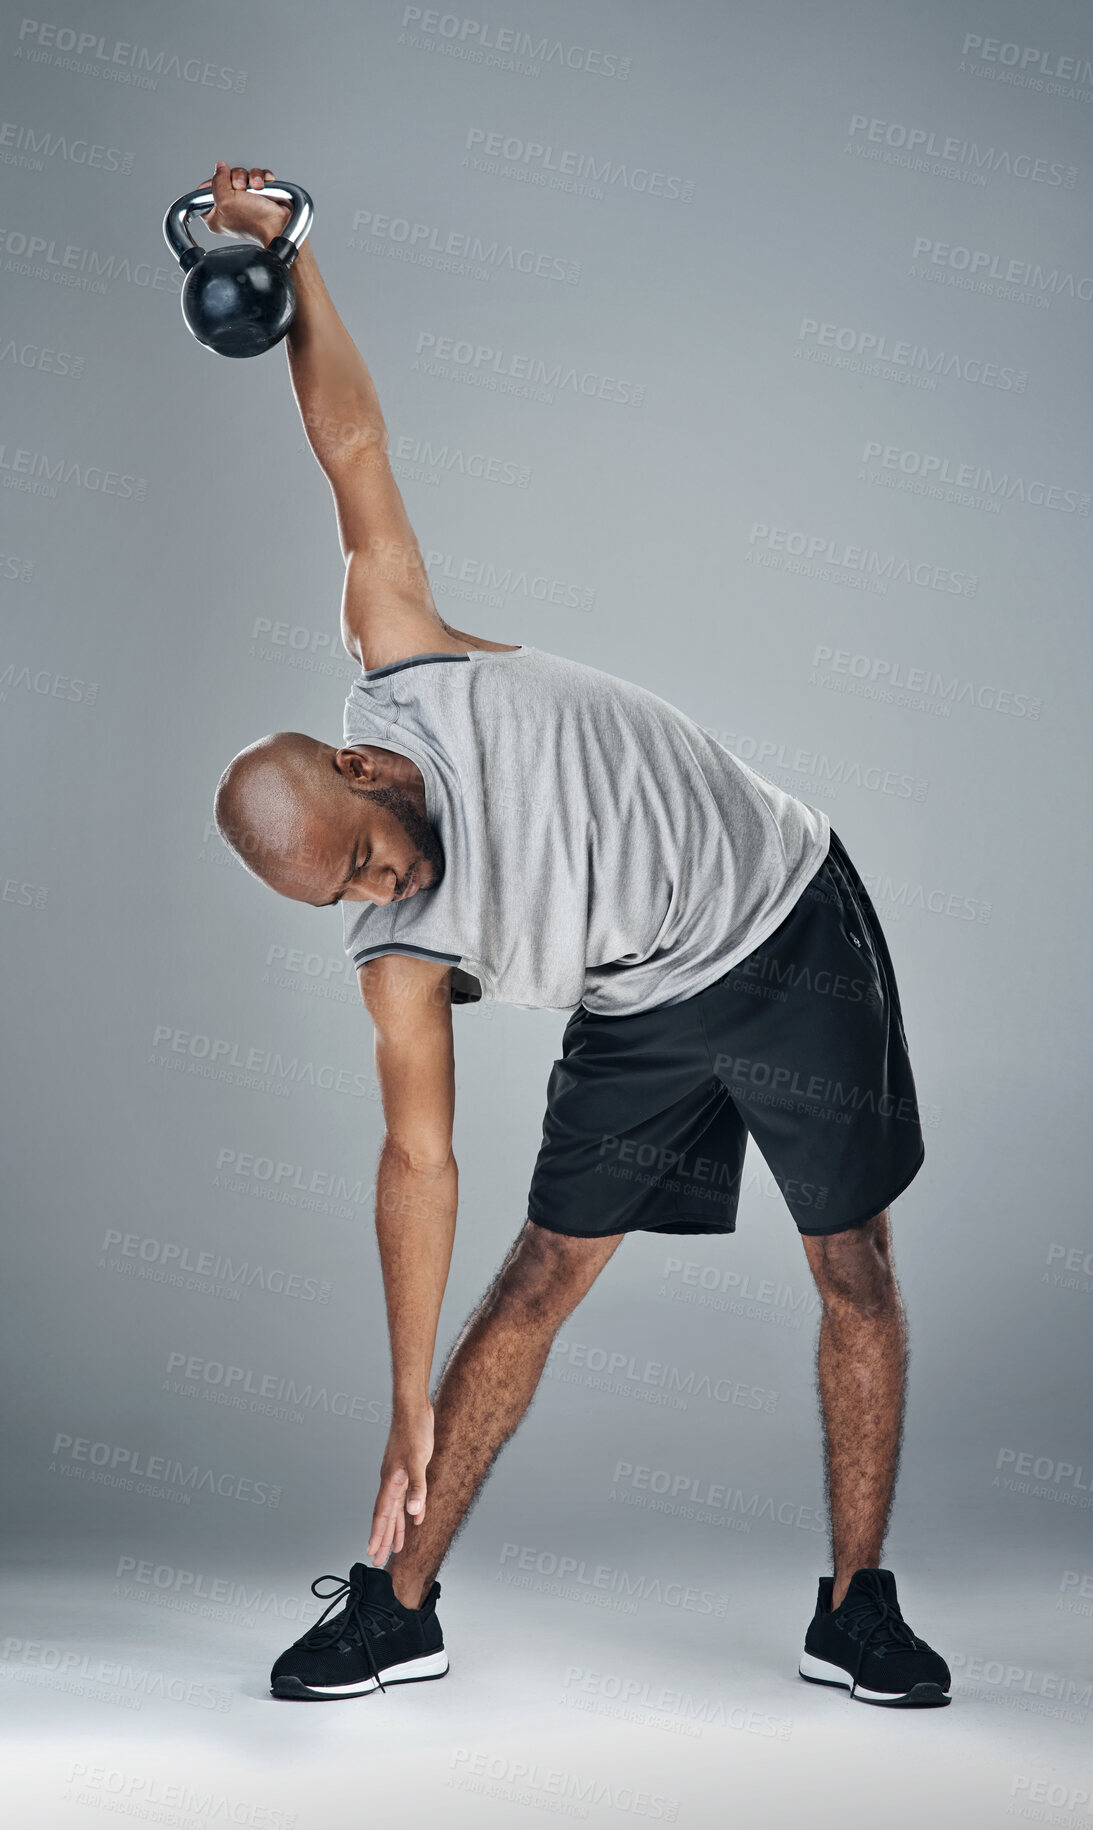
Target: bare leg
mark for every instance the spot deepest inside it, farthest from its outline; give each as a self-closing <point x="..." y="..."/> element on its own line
<point x="861" y="1373"/>
<point x="488" y="1383"/>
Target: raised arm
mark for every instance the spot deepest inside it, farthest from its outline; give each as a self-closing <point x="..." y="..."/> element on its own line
<point x="409" y="1001"/>
<point x="388" y="610"/>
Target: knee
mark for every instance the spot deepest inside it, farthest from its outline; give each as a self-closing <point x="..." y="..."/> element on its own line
<point x="542" y="1280"/>
<point x="854" y="1275"/>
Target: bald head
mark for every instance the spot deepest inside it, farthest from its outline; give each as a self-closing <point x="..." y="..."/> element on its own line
<point x="275" y="804"/>
<point x="317" y="824"/>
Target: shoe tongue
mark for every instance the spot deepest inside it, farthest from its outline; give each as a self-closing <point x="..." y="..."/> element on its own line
<point x="869" y="1580"/>
<point x="370" y="1581"/>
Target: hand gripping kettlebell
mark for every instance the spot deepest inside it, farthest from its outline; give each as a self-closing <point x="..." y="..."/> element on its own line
<point x="238" y="300"/>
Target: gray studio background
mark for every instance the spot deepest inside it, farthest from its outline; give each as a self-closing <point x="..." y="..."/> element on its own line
<point x="805" y="297"/>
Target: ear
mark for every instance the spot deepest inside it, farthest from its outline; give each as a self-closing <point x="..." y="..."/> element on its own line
<point x="359" y="766"/>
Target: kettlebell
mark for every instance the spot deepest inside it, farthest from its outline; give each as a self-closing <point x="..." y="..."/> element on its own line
<point x="238" y="300"/>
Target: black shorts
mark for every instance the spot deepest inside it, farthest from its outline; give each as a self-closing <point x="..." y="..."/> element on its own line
<point x="802" y="1044"/>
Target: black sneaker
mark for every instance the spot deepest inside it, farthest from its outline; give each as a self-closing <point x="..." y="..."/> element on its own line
<point x="371" y="1642"/>
<point x="865" y="1646"/>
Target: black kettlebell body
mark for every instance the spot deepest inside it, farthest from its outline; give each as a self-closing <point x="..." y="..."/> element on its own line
<point x="238" y="300"/>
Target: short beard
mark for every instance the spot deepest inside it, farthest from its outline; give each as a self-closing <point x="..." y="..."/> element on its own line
<point x="417" y="830"/>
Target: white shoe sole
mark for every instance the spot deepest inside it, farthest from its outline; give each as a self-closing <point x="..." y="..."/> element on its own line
<point x="414" y="1671"/>
<point x="819" y="1671"/>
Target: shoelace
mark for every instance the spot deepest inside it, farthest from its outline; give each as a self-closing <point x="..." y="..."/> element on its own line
<point x="885" y="1629"/>
<point x="365" y="1616"/>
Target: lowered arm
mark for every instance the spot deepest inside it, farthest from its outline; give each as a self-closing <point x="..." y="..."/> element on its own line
<point x="417" y="1193"/>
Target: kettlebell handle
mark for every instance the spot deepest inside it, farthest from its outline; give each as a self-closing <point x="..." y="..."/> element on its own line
<point x="176" y="226"/>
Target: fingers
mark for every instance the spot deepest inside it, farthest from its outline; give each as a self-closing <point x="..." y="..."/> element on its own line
<point x="415" y="1499"/>
<point x="382" y="1540"/>
<point x="228" y="178"/>
<point x="402" y="1494"/>
<point x="388" y="1519"/>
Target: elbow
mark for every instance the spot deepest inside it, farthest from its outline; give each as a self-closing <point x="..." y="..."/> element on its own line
<point x="429" y="1159"/>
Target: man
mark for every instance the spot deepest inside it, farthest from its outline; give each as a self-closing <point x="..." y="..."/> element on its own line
<point x="500" y="822"/>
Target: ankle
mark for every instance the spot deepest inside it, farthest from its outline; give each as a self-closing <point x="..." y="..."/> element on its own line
<point x="409" y="1589"/>
<point x="842" y="1583"/>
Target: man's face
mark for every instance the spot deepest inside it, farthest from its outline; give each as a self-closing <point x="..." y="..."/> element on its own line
<point x="323" y="826"/>
<point x="371" y="843"/>
<point x="385" y="851"/>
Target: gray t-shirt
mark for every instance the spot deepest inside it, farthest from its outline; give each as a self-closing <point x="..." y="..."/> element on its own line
<point x="600" y="848"/>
